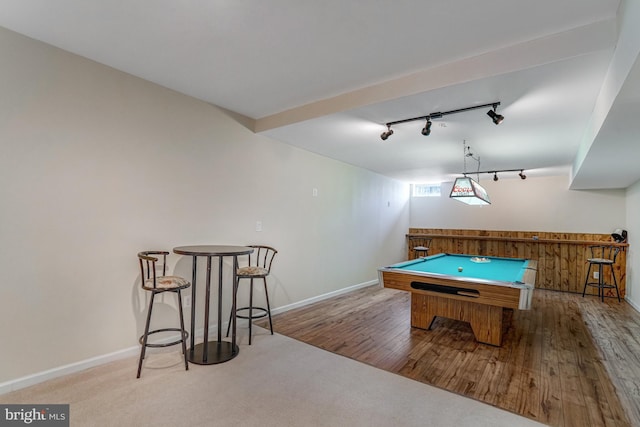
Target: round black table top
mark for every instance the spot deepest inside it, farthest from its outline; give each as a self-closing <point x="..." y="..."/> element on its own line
<point x="212" y="250"/>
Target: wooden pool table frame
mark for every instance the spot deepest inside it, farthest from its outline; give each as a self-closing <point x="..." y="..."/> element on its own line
<point x="480" y="304"/>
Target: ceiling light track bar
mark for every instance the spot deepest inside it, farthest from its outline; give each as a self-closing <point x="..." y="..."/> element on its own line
<point x="492" y="171"/>
<point x="426" y="131"/>
<point x="439" y="114"/>
<point x="496" y="172"/>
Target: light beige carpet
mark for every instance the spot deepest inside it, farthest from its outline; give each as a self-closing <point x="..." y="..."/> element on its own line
<point x="277" y="381"/>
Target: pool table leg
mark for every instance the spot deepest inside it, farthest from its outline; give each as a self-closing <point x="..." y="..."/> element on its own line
<point x="485" y="320"/>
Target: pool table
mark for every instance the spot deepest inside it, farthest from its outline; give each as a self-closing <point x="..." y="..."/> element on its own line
<point x="474" y="289"/>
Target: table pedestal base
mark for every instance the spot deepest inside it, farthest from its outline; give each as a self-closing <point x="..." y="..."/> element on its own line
<point x="485" y="320"/>
<point x="217" y="352"/>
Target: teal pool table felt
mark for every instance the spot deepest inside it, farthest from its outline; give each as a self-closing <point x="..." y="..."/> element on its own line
<point x="509" y="270"/>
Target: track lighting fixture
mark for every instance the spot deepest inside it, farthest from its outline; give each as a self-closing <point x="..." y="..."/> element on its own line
<point x="497" y="118"/>
<point x="426" y="130"/>
<point x="386" y="134"/>
<point x="497" y="171"/>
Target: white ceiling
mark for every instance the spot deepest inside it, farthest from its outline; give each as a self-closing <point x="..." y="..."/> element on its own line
<point x="327" y="75"/>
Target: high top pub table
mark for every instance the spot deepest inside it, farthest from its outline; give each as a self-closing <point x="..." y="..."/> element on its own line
<point x="212" y="352"/>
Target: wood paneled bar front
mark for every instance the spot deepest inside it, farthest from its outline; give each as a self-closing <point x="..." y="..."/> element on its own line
<point x="562" y="257"/>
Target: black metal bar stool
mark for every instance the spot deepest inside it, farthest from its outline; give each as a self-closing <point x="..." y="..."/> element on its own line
<point x="421" y="247"/>
<point x="421" y="251"/>
<point x="157" y="285"/>
<point x="601" y="256"/>
<point x="259" y="267"/>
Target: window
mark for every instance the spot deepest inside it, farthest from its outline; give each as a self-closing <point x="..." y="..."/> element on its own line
<point x="426" y="190"/>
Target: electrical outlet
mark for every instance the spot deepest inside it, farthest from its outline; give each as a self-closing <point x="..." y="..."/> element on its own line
<point x="596" y="275"/>
<point x="186" y="300"/>
<point x="258" y="225"/>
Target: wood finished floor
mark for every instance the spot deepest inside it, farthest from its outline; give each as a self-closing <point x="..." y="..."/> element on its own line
<point x="571" y="361"/>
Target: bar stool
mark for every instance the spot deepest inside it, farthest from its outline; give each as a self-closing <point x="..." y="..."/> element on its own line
<point x="422" y="249"/>
<point x="158" y="285"/>
<point x="259" y="267"/>
<point x="601" y="256"/>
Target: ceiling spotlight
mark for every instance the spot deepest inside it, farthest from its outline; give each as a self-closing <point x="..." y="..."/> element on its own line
<point x="426" y="130"/>
<point x="497" y="118"/>
<point x="522" y="175"/>
<point x="386" y="134"/>
<point x="495" y="176"/>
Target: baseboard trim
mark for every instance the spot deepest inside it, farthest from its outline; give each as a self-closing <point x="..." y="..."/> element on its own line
<point x="29" y="380"/>
<point x="633" y="304"/>
<point x="322" y="297"/>
<point x="50" y="374"/>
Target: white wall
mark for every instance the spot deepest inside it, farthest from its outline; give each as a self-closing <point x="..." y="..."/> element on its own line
<point x="534" y="204"/>
<point x="633" y="256"/>
<point x="541" y="204"/>
<point x="97" y="165"/>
